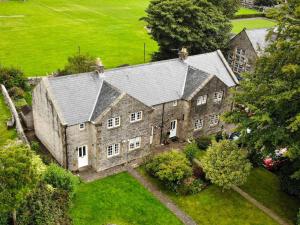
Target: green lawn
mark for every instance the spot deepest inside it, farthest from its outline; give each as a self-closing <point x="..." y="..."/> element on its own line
<point x="4" y="116"/>
<point x="214" y="207"/>
<point x="264" y="186"/>
<point x="246" y="11"/>
<point x="121" y="200"/>
<point x="38" y="35"/>
<point x="240" y="24"/>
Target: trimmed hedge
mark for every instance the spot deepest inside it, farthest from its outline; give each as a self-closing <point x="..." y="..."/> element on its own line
<point x="245" y="16"/>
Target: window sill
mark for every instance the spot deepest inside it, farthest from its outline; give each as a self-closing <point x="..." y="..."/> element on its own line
<point x="111" y="128"/>
<point x="136" y="121"/>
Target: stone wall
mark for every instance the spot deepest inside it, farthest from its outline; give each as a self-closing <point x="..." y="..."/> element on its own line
<point x="127" y="130"/>
<point x="15" y="115"/>
<point x="49" y="127"/>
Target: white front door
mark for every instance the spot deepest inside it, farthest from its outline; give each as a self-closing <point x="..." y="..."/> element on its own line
<point x="83" y="159"/>
<point x="173" y="131"/>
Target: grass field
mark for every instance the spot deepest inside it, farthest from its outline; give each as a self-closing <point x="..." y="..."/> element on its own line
<point x="253" y="23"/>
<point x="121" y="200"/>
<point x="38" y="35"/>
<point x="4" y="116"/>
<point x="246" y="11"/>
<point x="212" y="206"/>
<point x="264" y="186"/>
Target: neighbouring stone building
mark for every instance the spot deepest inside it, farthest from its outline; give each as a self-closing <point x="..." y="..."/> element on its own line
<point x="248" y="3"/>
<point x="245" y="48"/>
<point x="106" y="118"/>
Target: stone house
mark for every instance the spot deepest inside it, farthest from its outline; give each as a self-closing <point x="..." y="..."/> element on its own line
<point x="245" y="48"/>
<point x="106" y="118"/>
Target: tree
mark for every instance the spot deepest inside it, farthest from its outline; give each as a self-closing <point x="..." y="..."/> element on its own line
<point x="11" y="77"/>
<point x="78" y="63"/>
<point x="268" y="100"/>
<point x="195" y="24"/>
<point x="20" y="170"/>
<point x="228" y="7"/>
<point x="170" y="167"/>
<point x="190" y="150"/>
<point x="225" y="164"/>
<point x="265" y="2"/>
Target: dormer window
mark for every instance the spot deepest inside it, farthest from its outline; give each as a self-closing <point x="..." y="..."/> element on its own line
<point x="218" y="96"/>
<point x="202" y="100"/>
<point x="81" y="126"/>
<point x="113" y="122"/>
<point x="136" y="116"/>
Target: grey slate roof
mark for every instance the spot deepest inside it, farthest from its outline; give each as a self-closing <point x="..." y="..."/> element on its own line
<point x="83" y="97"/>
<point x="257" y="38"/>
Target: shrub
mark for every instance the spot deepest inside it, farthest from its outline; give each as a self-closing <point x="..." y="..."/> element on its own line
<point x="203" y="142"/>
<point x="170" y="167"/>
<point x="45" y="206"/>
<point x="4" y="218"/>
<point x="298" y="220"/>
<point x="191" y="186"/>
<point x="287" y="183"/>
<point x="61" y="178"/>
<point x="190" y="150"/>
<point x="16" y="93"/>
<point x="12" y="77"/>
<point x="225" y="164"/>
<point x="255" y="157"/>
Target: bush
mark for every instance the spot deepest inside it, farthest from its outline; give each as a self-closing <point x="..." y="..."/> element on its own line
<point x="45" y="206"/>
<point x="287" y="183"/>
<point x="203" y="142"/>
<point x="255" y="157"/>
<point x="190" y="150"/>
<point x="12" y="77"/>
<point x="16" y="93"/>
<point x="4" y="218"/>
<point x="191" y="186"/>
<point x="61" y="178"/>
<point x="298" y="220"/>
<point x="244" y="16"/>
<point x="170" y="167"/>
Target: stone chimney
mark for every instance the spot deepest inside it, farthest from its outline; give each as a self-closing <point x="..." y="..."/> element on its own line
<point x="99" y="66"/>
<point x="183" y="54"/>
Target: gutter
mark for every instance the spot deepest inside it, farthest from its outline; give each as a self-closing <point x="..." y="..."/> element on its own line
<point x="66" y="148"/>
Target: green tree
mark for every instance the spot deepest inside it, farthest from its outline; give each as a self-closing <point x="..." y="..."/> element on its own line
<point x="195" y="24"/>
<point x="11" y="77"/>
<point x="20" y="170"/>
<point x="191" y="150"/>
<point x="225" y="164"/>
<point x="78" y="63"/>
<point x="265" y="2"/>
<point x="268" y="100"/>
<point x="298" y="220"/>
<point x="228" y="7"/>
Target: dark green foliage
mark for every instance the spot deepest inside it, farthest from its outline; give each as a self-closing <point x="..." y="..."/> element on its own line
<point x="191" y="186"/>
<point x="61" y="178"/>
<point x="45" y="206"/>
<point x="197" y="25"/>
<point x="16" y="93"/>
<point x="265" y="2"/>
<point x="298" y="220"/>
<point x="267" y="101"/>
<point x="190" y="150"/>
<point x="78" y="63"/>
<point x="255" y="157"/>
<point x="228" y="7"/>
<point x="12" y="77"/>
<point x="203" y="142"/>
<point x="45" y="156"/>
<point x="4" y="218"/>
<point x="287" y="182"/>
<point x="171" y="168"/>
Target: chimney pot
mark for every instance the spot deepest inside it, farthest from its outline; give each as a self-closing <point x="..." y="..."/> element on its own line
<point x="99" y="66"/>
<point x="183" y="54"/>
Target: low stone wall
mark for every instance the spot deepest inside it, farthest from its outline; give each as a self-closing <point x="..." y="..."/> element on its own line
<point x="15" y="115"/>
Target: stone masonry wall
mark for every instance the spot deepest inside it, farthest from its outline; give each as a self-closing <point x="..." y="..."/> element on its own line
<point x="122" y="134"/>
<point x="47" y="124"/>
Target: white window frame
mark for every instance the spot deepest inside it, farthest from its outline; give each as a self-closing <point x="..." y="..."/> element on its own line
<point x="81" y="126"/>
<point x="113" y="122"/>
<point x="134" y="142"/>
<point x="214" y="120"/>
<point x="201" y="100"/>
<point x="115" y="150"/>
<point x="134" y="116"/>
<point x="175" y="103"/>
<point x="82" y="147"/>
<point x="198" y="125"/>
<point x="218" y="96"/>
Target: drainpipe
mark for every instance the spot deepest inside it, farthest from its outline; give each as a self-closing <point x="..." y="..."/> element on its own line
<point x="162" y="122"/>
<point x="66" y="146"/>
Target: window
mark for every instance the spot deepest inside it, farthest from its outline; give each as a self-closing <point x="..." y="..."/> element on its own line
<point x="175" y="103"/>
<point x="238" y="61"/>
<point x="134" y="143"/>
<point x="81" y="126"/>
<point x="202" y="100"/>
<point x="218" y="96"/>
<point x="113" y="150"/>
<point x="198" y="124"/>
<point x="113" y="122"/>
<point x="82" y="151"/>
<point x="213" y="120"/>
<point x="136" y="116"/>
